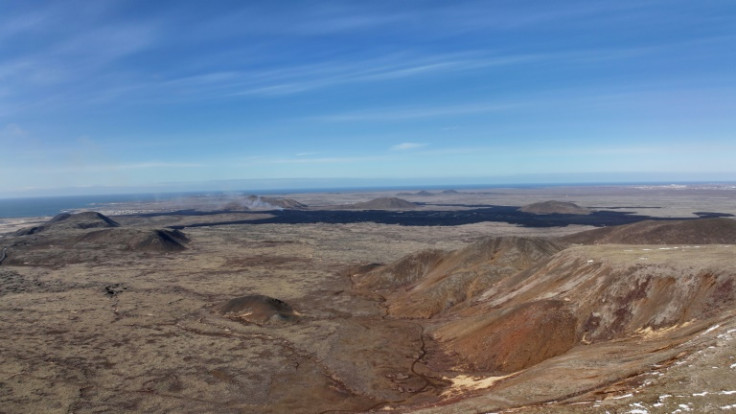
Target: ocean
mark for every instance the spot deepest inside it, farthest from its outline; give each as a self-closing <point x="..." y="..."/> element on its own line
<point x="51" y="206"/>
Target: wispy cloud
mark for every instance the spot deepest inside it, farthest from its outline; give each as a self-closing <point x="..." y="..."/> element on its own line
<point x="298" y="79"/>
<point x="112" y="167"/>
<point x="85" y="60"/>
<point x="61" y="64"/>
<point x="301" y="19"/>
<point x="275" y="81"/>
<point x="12" y="130"/>
<point x="405" y="113"/>
<point x="321" y="160"/>
<point x="350" y="79"/>
<point x="15" y="140"/>
<point x="157" y="164"/>
<point x="26" y="22"/>
<point x="404" y="146"/>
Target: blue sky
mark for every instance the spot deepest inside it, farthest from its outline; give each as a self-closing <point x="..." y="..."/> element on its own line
<point x="187" y="94"/>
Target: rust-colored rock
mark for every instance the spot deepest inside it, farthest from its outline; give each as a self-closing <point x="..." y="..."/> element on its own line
<point x="516" y="339"/>
<point x="427" y="283"/>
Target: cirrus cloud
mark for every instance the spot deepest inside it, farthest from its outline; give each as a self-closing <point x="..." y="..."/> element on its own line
<point x="404" y="146"/>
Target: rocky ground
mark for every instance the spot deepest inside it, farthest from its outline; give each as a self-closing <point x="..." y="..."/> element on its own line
<point x="485" y="317"/>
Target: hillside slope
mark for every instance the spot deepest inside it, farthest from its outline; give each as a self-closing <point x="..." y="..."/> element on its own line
<point x="701" y="231"/>
<point x="529" y="308"/>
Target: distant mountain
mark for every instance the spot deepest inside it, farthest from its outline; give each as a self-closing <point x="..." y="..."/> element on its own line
<point x="384" y="203"/>
<point x="422" y="193"/>
<point x="85" y="220"/>
<point x="255" y="202"/>
<point x="555" y="207"/>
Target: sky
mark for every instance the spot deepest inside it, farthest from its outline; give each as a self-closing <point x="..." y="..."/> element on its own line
<point x="132" y="95"/>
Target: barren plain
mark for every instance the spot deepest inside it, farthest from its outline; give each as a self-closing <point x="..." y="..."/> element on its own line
<point x="331" y="302"/>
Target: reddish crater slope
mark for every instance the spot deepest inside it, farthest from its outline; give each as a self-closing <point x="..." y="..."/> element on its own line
<point x="503" y="305"/>
<point x="514" y="338"/>
<point x="430" y="282"/>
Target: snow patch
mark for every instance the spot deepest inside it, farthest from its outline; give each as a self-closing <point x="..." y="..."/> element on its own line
<point x="465" y="382"/>
<point x="621" y="397"/>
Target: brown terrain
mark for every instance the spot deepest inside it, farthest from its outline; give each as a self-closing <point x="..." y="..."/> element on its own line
<point x="123" y="313"/>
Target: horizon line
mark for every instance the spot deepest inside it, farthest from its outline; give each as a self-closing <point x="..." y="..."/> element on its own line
<point x="295" y="189"/>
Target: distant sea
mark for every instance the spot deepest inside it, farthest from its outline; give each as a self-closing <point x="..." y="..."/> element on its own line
<point x="51" y="206"/>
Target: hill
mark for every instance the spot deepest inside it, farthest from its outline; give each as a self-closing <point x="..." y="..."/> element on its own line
<point x="384" y="203"/>
<point x="64" y="221"/>
<point x="430" y="282"/>
<point x="554" y="207"/>
<point x="260" y="202"/>
<point x="82" y="237"/>
<point x="591" y="294"/>
<point x="700" y="231"/>
<point x="506" y="304"/>
<point x="258" y="309"/>
<point x="421" y="193"/>
<point x="146" y="240"/>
